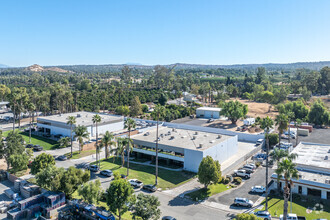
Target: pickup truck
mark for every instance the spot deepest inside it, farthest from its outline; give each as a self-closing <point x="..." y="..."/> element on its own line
<point x="292" y="216"/>
<point x="241" y="173"/>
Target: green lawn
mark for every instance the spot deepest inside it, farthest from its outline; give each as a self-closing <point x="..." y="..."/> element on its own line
<point x="204" y="193"/>
<point x="46" y="143"/>
<point x="166" y="178"/>
<point x="299" y="206"/>
<point x="76" y="155"/>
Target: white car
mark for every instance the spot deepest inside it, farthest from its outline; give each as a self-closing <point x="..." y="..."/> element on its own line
<point x="135" y="183"/>
<point x="258" y="189"/>
<point x="259" y="142"/>
<point x="290" y="216"/>
<point x="241" y="173"/>
<point x="243" y="202"/>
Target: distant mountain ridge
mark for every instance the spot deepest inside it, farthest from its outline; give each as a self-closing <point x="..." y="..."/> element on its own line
<point x="3" y="66"/>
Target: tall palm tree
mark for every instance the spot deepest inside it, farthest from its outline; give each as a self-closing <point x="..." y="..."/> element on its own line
<point x="120" y="150"/>
<point x="96" y="119"/>
<point x="71" y="120"/>
<point x="282" y="122"/>
<point x="266" y="124"/>
<point x="80" y="132"/>
<point x="159" y="112"/>
<point x="30" y="107"/>
<point x="107" y="141"/>
<point x="287" y="169"/>
<point x="129" y="124"/>
<point x="277" y="155"/>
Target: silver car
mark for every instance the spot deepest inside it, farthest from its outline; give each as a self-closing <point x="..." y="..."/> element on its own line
<point x="263" y="215"/>
<point x="243" y="202"/>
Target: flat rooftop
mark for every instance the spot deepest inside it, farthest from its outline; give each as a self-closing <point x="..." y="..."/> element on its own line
<point x="316" y="155"/>
<point x="208" y="109"/>
<point x="82" y="118"/>
<point x="179" y="138"/>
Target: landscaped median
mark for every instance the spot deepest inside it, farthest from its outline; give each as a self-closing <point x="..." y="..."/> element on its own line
<point x="204" y="193"/>
<point x="166" y="178"/>
<point x="77" y="155"/>
<point x="302" y="206"/>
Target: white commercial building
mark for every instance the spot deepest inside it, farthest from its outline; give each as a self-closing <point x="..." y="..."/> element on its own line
<point x="313" y="164"/>
<point x="57" y="124"/>
<point x="183" y="146"/>
<point x="208" y="112"/>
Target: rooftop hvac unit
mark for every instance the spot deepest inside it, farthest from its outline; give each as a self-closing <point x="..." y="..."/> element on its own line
<point x="196" y="133"/>
<point x="146" y="134"/>
<point x="327" y="181"/>
<point x="194" y="137"/>
<point x="172" y="137"/>
<point x="326" y="157"/>
<point x="200" y="146"/>
<point x="212" y="141"/>
<point x="173" y="129"/>
<point x="205" y="135"/>
<point x="219" y="136"/>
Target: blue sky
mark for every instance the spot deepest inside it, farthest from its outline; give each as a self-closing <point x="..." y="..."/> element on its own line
<point x="62" y="32"/>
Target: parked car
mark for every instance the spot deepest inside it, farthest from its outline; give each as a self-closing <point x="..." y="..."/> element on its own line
<point x="263" y="215"/>
<point x="252" y="165"/>
<point x="248" y="169"/>
<point x="106" y="173"/>
<point x="290" y="216"/>
<point x="259" y="142"/>
<point x="62" y="158"/>
<point x="37" y="148"/>
<point x="150" y="188"/>
<point x="168" y="218"/>
<point x="94" y="168"/>
<point x="123" y="176"/>
<point x="244" y="128"/>
<point x="29" y="146"/>
<point x="258" y="189"/>
<point x="210" y="120"/>
<point x="135" y="183"/>
<point x="243" y="202"/>
<point x="241" y="173"/>
<point x="259" y="157"/>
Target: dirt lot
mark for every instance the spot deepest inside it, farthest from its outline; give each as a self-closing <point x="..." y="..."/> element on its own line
<point x="258" y="109"/>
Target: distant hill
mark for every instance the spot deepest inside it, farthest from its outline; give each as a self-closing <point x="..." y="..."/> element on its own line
<point x="3" y="66"/>
<point x="38" y="68"/>
<point x="268" y="66"/>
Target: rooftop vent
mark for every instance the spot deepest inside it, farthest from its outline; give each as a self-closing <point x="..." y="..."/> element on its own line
<point x="146" y="134"/>
<point x="327" y="181"/>
<point x="329" y="151"/>
<point x="78" y="115"/>
<point x="212" y="141"/>
<point x="194" y="137"/>
<point x="196" y="133"/>
<point x="326" y="157"/>
<point x="219" y="136"/>
<point x="172" y="137"/>
<point x="200" y="146"/>
<point x="173" y="129"/>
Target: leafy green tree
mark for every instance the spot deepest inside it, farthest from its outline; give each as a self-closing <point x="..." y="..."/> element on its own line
<point x="122" y="110"/>
<point x="234" y="110"/>
<point x="4" y="91"/>
<point x="136" y="107"/>
<point x="64" y="142"/>
<point x="287" y="169"/>
<point x="18" y="162"/>
<point x="71" y="120"/>
<point x="71" y="179"/>
<point x="261" y="75"/>
<point x="246" y="216"/>
<point x="273" y="139"/>
<point x="318" y="114"/>
<point x="91" y="192"/>
<point x="267" y="96"/>
<point x="41" y="161"/>
<point x="163" y="99"/>
<point x="13" y="146"/>
<point x="119" y="196"/>
<point x="80" y="132"/>
<point x="209" y="171"/>
<point x="324" y="81"/>
<point x="147" y="207"/>
<point x="50" y="178"/>
<point x="129" y="125"/>
<point x="145" y="108"/>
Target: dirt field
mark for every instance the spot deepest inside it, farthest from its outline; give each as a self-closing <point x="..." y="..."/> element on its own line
<point x="258" y="109"/>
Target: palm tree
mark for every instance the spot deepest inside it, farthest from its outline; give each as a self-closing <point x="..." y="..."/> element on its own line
<point x="96" y="119"/>
<point x="71" y="121"/>
<point x="159" y="112"/>
<point x="287" y="169"/>
<point x="30" y="107"/>
<point x="129" y="124"/>
<point x="282" y="123"/>
<point x="107" y="141"/>
<point x="266" y="124"/>
<point x="120" y="150"/>
<point x="64" y="141"/>
<point x="80" y="132"/>
<point x="278" y="154"/>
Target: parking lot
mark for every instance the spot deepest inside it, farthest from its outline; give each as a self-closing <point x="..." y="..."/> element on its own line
<point x="243" y="191"/>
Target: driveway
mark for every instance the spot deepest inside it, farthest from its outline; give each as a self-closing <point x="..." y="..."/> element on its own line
<point x="257" y="178"/>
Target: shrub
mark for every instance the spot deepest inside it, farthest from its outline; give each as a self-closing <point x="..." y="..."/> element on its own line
<point x="238" y="180"/>
<point x="226" y="180"/>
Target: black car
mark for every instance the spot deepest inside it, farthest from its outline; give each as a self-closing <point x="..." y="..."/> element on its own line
<point x="29" y="146"/>
<point x="168" y="218"/>
<point x="150" y="188"/>
<point x="37" y="148"/>
<point x="123" y="176"/>
<point x="62" y="158"/>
